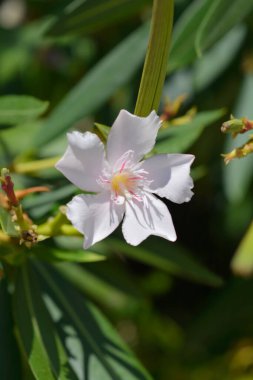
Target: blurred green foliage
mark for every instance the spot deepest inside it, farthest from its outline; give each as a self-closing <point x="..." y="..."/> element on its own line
<point x="179" y="307"/>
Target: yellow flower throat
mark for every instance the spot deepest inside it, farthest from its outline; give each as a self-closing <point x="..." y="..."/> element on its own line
<point x="121" y="182"/>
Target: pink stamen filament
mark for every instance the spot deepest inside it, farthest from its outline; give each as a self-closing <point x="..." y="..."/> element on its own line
<point x="135" y="178"/>
<point x="122" y="166"/>
<point x="135" y="195"/>
<point x="104" y="180"/>
<point x="126" y="179"/>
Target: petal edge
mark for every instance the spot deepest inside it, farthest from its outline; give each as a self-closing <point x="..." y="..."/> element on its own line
<point x="83" y="160"/>
<point x="95" y="216"/>
<point x="131" y="132"/>
<point x="170" y="176"/>
<point x="150" y="218"/>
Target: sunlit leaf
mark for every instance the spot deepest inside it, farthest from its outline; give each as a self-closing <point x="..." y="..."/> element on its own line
<point x="96" y="350"/>
<point x="37" y="337"/>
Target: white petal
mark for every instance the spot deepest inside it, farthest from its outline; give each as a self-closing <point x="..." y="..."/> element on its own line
<point x="170" y="176"/>
<point x="142" y="219"/>
<point x="83" y="160"/>
<point x="95" y="216"/>
<point x="130" y="132"/>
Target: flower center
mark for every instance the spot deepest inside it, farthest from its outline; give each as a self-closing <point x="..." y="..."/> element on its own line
<point x="122" y="183"/>
<point x="119" y="181"/>
<point x="126" y="179"/>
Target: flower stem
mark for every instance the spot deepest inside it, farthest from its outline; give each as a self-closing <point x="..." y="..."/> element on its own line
<point x="156" y="60"/>
<point x="23" y="224"/>
<point x="33" y="166"/>
<point x="57" y="226"/>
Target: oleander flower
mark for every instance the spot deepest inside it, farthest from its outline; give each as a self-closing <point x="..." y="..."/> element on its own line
<point x="124" y="183"/>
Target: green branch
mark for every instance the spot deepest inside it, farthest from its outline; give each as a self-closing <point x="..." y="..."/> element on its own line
<point x="156" y="61"/>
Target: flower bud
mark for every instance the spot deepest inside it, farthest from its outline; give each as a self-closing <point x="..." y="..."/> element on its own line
<point x="8" y="187"/>
<point x="240" y="152"/>
<point x="236" y="126"/>
<point x="171" y="108"/>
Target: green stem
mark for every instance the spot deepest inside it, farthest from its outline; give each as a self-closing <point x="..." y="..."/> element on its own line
<point x="156" y="61"/>
<point x="57" y="226"/>
<point x="64" y="230"/>
<point x="23" y="224"/>
<point x="33" y="166"/>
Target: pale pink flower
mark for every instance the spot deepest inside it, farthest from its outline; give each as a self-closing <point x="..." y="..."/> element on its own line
<point x="124" y="182"/>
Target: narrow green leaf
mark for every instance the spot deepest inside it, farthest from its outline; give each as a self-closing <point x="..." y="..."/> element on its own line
<point x="98" y="288"/>
<point x="15" y="109"/>
<point x="174" y="259"/>
<point x="41" y="204"/>
<point x="154" y="70"/>
<point x="36" y="335"/>
<point x="220" y="18"/>
<point x="54" y="255"/>
<point x="242" y="263"/>
<point x="28" y="330"/>
<point x="96" y="350"/>
<point x="93" y="15"/>
<point x="202" y="24"/>
<point x="96" y="87"/>
<point x="9" y="356"/>
<point x="49" y="197"/>
<point x="184" y="34"/>
<point x="179" y="138"/>
<point x="205" y="72"/>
